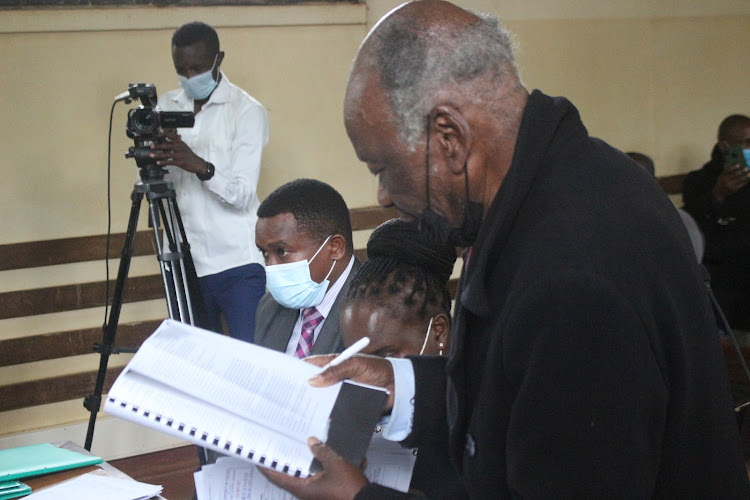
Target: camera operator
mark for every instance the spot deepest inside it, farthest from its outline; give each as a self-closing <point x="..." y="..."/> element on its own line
<point x="215" y="167"/>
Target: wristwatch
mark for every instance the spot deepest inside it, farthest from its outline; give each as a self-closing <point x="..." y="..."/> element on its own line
<point x="210" y="170"/>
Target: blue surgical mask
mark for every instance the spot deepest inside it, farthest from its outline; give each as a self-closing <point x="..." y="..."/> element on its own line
<point x="291" y="285"/>
<point x="199" y="86"/>
<point x="746" y="152"/>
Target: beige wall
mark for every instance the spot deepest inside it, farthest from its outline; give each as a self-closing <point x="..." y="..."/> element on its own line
<point x="660" y="86"/>
<point x="58" y="87"/>
<point x="651" y="76"/>
<point x="655" y="77"/>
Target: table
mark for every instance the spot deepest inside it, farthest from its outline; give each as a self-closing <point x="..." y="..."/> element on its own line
<point x="41" y="482"/>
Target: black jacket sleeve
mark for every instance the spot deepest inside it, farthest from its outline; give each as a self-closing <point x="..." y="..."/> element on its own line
<point x="430" y="427"/>
<point x="430" y="423"/>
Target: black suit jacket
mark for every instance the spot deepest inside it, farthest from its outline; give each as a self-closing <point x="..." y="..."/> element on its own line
<point x="585" y="359"/>
<point x="274" y="323"/>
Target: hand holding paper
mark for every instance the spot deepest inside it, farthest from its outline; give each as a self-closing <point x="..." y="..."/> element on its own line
<point x="338" y="479"/>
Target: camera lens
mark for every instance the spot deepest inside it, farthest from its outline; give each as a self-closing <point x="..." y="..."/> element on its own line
<point x="145" y="121"/>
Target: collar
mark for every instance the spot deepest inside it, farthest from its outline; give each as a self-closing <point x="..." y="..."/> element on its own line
<point x="220" y="95"/>
<point x="548" y="124"/>
<point x="332" y="293"/>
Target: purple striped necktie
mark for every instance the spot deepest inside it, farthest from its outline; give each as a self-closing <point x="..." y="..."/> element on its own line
<point x="310" y="319"/>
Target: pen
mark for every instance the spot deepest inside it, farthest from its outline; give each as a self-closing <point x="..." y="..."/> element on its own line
<point x="348" y="352"/>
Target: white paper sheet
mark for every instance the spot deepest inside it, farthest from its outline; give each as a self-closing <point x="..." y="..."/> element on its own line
<point x="95" y="486"/>
<point x="388" y="464"/>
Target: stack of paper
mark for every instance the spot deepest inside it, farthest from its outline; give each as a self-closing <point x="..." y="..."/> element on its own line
<point x="13" y="489"/>
<point x="97" y="486"/>
<point x="388" y="464"/>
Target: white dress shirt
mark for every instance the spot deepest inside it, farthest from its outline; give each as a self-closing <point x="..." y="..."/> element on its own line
<point x="399" y="423"/>
<point x="219" y="215"/>
<point x="323" y="308"/>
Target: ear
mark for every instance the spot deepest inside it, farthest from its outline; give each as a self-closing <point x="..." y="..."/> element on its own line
<point x="441" y="326"/>
<point x="219" y="58"/>
<point x="723" y="146"/>
<point x="453" y="135"/>
<point x="338" y="247"/>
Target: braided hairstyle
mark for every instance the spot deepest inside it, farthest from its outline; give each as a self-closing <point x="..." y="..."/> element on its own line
<point x="407" y="267"/>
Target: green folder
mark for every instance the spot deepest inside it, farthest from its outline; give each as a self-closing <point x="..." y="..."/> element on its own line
<point x="13" y="489"/>
<point x="39" y="459"/>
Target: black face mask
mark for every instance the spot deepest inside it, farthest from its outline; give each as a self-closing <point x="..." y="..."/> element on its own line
<point x="438" y="226"/>
<point x="441" y="230"/>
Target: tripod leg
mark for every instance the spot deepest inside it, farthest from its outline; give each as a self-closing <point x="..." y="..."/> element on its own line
<point x="185" y="280"/>
<point x="170" y="261"/>
<point x="93" y="402"/>
<point x="190" y="276"/>
<point x="162" y="248"/>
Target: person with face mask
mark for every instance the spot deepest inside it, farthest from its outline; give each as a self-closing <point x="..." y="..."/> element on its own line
<point x="718" y="198"/>
<point x="581" y="366"/>
<point x="305" y="236"/>
<point x="399" y="298"/>
<point x="214" y="167"/>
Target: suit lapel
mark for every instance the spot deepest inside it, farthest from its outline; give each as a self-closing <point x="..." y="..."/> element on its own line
<point x="279" y="338"/>
<point x="329" y="339"/>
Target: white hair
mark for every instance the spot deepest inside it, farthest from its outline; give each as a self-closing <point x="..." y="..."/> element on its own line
<point x="416" y="64"/>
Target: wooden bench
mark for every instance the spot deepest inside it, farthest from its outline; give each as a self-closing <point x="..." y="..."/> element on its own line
<point x="70" y="297"/>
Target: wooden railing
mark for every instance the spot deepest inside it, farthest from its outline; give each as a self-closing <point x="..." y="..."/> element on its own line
<point x="74" y="296"/>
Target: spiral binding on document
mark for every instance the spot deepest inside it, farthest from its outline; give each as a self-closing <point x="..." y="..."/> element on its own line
<point x="183" y="429"/>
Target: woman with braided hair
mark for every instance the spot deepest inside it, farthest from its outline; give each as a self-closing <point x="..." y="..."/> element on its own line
<point x="399" y="298"/>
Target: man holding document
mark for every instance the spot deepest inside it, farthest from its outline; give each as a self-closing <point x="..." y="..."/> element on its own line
<point x="579" y="366"/>
<point x="241" y="399"/>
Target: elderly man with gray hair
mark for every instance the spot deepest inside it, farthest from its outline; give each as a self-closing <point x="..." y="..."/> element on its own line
<point x="581" y="366"/>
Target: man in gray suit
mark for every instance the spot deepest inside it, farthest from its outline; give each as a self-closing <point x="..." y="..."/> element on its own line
<point x="305" y="236"/>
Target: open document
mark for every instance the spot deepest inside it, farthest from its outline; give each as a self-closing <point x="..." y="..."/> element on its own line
<point x="242" y="400"/>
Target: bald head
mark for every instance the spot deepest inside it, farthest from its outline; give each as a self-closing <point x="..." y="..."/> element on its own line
<point x="428" y="50"/>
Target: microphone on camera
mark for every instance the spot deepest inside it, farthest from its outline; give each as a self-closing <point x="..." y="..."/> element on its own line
<point x="125" y="96"/>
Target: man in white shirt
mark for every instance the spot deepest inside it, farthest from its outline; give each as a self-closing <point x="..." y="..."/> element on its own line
<point x="215" y="167"/>
<point x="305" y="235"/>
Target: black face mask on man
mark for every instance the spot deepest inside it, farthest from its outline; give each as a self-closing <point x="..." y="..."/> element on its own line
<point x="438" y="226"/>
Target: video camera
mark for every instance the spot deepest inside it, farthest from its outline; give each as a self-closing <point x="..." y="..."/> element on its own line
<point x="144" y="123"/>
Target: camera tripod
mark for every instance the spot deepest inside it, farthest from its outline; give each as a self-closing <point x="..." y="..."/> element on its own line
<point x="175" y="263"/>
